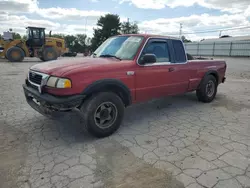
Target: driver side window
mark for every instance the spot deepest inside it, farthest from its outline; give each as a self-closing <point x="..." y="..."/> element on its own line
<point x="159" y="49"/>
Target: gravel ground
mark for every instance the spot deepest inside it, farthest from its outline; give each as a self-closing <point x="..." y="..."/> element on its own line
<point x="174" y="142"/>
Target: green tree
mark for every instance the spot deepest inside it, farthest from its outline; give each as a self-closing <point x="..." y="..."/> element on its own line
<point x="184" y="39"/>
<point x="24" y="37"/>
<point x="129" y="28"/>
<point x="107" y="26"/>
<point x="16" y="36"/>
<point x="81" y="38"/>
<point x="88" y="41"/>
<point x="70" y="41"/>
<point x="75" y="43"/>
<point x="60" y="36"/>
<point x="77" y="47"/>
<point x="0" y="36"/>
<point x="81" y="45"/>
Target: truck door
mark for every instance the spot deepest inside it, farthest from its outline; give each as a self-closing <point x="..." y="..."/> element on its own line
<point x="179" y="71"/>
<point x="164" y="77"/>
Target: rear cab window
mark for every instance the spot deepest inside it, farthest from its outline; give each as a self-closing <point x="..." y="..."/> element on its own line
<point x="179" y="52"/>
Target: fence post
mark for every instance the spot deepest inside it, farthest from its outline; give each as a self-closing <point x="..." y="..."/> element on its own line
<point x="198" y="48"/>
<point x="230" y="51"/>
<point x="213" y="48"/>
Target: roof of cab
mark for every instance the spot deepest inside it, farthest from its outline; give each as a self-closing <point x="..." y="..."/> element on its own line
<point x="150" y="36"/>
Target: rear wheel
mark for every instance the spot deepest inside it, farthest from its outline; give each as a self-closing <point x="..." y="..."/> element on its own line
<point x="102" y="113"/>
<point x="207" y="90"/>
<point x="49" y="54"/>
<point x="15" y="54"/>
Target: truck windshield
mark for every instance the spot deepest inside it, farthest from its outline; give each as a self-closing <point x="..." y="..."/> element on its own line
<point x="121" y="47"/>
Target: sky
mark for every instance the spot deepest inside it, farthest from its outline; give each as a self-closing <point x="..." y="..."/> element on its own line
<point x="153" y="16"/>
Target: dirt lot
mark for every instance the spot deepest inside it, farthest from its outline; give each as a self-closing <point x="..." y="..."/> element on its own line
<point x="174" y="142"/>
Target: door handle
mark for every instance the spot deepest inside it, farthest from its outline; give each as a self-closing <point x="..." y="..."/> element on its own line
<point x="171" y="69"/>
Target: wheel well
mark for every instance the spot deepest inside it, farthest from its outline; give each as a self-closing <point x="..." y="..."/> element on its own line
<point x="118" y="90"/>
<point x="215" y="75"/>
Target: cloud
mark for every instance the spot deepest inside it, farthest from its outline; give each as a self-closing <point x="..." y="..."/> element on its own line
<point x="195" y="23"/>
<point x="83" y="21"/>
<point x="19" y="23"/>
<point x="150" y="4"/>
<point x="247" y="12"/>
<point x="18" y="6"/>
<point x="51" y="18"/>
<point x="69" y="14"/>
<point x="233" y="6"/>
<point x="54" y="13"/>
<point x="75" y="29"/>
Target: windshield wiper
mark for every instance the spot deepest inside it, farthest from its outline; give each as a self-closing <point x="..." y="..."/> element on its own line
<point x="109" y="55"/>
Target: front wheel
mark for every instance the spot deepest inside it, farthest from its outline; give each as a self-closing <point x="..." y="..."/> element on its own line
<point x="103" y="113"/>
<point x="207" y="90"/>
<point x="15" y="54"/>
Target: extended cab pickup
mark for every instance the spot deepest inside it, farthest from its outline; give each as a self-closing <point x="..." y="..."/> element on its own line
<point x="124" y="70"/>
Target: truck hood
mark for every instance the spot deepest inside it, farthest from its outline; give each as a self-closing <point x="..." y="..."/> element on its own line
<point x="61" y="66"/>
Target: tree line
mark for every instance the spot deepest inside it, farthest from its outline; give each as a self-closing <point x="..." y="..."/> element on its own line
<point x="110" y="25"/>
<point x="107" y="26"/>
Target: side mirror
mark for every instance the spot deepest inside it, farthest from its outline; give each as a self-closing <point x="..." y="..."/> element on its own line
<point x="148" y="58"/>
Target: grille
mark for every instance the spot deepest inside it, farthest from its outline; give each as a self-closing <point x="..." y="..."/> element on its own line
<point x="35" y="78"/>
<point x="31" y="85"/>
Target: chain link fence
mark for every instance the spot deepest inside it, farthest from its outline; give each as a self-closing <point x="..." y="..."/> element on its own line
<point x="234" y="49"/>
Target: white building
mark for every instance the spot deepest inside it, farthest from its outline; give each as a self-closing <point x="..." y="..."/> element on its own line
<point x="228" y="39"/>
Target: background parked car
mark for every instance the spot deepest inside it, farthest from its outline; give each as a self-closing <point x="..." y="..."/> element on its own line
<point x="70" y="54"/>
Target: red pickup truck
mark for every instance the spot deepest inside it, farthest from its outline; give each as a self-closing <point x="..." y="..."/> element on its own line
<point x="124" y="70"/>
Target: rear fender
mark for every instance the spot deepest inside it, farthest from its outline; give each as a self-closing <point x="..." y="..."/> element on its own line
<point x="210" y="72"/>
<point x="194" y="83"/>
<point x="214" y="73"/>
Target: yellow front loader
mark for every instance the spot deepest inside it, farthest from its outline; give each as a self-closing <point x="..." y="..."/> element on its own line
<point x="36" y="45"/>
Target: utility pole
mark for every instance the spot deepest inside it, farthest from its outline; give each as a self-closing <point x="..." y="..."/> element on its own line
<point x="86" y="19"/>
<point x="128" y="26"/>
<point x="220" y="34"/>
<point x="180" y="30"/>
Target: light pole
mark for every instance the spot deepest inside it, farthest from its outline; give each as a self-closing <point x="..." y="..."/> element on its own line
<point x="180" y="29"/>
<point x="86" y="19"/>
<point x="128" y="26"/>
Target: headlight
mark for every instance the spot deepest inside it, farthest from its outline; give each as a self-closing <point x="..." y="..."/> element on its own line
<point x="58" y="82"/>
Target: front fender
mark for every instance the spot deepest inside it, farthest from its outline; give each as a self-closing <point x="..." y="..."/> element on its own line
<point x="106" y="84"/>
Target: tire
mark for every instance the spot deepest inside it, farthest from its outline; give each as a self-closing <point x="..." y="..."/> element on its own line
<point x="41" y="58"/>
<point x="15" y="54"/>
<point x="49" y="54"/>
<point x="102" y="104"/>
<point x="207" y="90"/>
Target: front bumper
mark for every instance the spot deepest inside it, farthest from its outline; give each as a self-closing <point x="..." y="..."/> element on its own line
<point x="46" y="103"/>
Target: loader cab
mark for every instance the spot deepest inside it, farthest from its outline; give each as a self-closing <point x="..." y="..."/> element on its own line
<point x="35" y="37"/>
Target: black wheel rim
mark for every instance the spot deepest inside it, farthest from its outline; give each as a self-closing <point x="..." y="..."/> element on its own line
<point x="210" y="88"/>
<point x="105" y="115"/>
